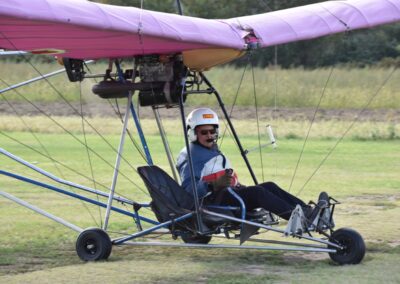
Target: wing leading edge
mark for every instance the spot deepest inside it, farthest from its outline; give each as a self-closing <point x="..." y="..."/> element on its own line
<point x="88" y="30"/>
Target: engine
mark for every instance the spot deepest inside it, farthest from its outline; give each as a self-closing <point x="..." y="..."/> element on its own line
<point x="161" y="79"/>
<point x="165" y="76"/>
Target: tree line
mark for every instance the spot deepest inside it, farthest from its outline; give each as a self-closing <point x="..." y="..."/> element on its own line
<point x="357" y="48"/>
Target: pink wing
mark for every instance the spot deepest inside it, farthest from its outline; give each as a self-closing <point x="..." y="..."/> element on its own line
<point x="87" y="30"/>
<point x="83" y="29"/>
<point x="318" y="20"/>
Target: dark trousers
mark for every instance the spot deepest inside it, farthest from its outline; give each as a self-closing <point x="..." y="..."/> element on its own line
<point x="267" y="195"/>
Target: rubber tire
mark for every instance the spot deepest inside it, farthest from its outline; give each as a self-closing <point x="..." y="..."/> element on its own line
<point x="354" y="246"/>
<point x="93" y="244"/>
<point x="189" y="238"/>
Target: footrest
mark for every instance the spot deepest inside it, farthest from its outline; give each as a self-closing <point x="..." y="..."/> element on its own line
<point x="297" y="223"/>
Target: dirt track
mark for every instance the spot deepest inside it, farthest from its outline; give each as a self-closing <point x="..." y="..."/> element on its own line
<point x="104" y="109"/>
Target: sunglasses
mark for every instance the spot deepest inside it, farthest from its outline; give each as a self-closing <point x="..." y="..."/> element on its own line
<point x="207" y="131"/>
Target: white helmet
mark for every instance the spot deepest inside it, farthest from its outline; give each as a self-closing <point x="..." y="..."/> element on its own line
<point x="200" y="116"/>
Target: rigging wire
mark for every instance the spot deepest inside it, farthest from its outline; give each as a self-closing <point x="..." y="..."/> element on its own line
<point x="140" y="27"/>
<point x="117" y="111"/>
<point x="166" y="136"/>
<point x="61" y="164"/>
<point x="230" y="115"/>
<point x="349" y="128"/>
<point x="258" y="121"/>
<point x="25" y="58"/>
<point x="74" y="136"/>
<point x="77" y="112"/>
<point x="311" y="124"/>
<point x="263" y="3"/>
<point x="134" y="142"/>
<point x="29" y="129"/>
<point x="43" y="148"/>
<point x="87" y="150"/>
<point x="53" y="160"/>
<point x="275" y="110"/>
<point x="234" y="103"/>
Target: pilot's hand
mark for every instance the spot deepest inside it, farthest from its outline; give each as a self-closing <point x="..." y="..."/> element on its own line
<point x="222" y="182"/>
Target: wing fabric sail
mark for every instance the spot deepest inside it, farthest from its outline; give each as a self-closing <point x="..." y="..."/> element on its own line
<point x="317" y="20"/>
<point x="83" y="29"/>
<point x="88" y="30"/>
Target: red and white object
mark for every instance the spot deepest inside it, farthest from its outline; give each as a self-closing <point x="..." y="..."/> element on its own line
<point x="217" y="167"/>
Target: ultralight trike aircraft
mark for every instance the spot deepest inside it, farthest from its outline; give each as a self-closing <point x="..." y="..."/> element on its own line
<point x="170" y="53"/>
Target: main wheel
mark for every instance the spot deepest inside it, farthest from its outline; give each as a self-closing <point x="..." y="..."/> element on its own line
<point x="93" y="244"/>
<point x="195" y="239"/>
<point x="353" y="246"/>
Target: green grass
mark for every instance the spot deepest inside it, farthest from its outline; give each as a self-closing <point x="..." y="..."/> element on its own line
<point x="345" y="88"/>
<point x="363" y="174"/>
<point x="288" y="129"/>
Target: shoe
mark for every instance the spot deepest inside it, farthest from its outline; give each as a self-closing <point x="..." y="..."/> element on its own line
<point x="307" y="210"/>
<point x="312" y="213"/>
<point x="325" y="221"/>
<point x="323" y="200"/>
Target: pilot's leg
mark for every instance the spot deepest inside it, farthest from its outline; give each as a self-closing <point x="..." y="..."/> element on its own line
<point x="258" y="196"/>
<point x="276" y="190"/>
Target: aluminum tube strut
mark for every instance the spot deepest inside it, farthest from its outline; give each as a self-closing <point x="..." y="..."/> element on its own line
<point x="74" y="195"/>
<point x="141" y="135"/>
<point x="190" y="163"/>
<point x="40" y="211"/>
<point x="212" y="246"/>
<point x="62" y="181"/>
<point x="165" y="143"/>
<point x="180" y="11"/>
<point x="236" y="137"/>
<point x="241" y="202"/>
<point x="117" y="162"/>
<point x="271" y="228"/>
<point x="134" y="115"/>
<point x="10" y="53"/>
<point x="152" y="229"/>
<point x="36" y="79"/>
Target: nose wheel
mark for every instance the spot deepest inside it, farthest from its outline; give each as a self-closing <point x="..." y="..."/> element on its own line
<point x="353" y="250"/>
<point x="93" y="244"/>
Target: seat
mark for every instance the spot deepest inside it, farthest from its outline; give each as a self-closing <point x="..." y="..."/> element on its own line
<point x="170" y="200"/>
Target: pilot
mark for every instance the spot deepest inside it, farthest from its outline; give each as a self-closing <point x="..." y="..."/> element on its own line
<point x="213" y="172"/>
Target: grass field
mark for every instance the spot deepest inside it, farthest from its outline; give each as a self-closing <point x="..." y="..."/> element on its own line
<point x="361" y="173"/>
